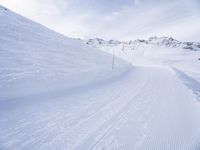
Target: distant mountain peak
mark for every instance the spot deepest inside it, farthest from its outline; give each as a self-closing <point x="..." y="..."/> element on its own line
<point x="160" y="41"/>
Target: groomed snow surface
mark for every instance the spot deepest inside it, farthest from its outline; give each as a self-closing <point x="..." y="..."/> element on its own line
<point x="58" y="94"/>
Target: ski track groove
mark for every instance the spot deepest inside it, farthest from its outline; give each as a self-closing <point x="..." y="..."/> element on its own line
<point x="116" y="121"/>
<point x="137" y="104"/>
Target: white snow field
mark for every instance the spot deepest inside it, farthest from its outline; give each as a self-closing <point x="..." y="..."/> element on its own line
<point x="58" y="94"/>
<point x="35" y="59"/>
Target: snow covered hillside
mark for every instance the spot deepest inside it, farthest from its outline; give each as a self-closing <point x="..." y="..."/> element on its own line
<point x="57" y="93"/>
<point x="154" y="51"/>
<point x="34" y="58"/>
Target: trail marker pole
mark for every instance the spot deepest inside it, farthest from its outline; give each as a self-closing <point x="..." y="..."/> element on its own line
<point x="123" y="47"/>
<point x="113" y="60"/>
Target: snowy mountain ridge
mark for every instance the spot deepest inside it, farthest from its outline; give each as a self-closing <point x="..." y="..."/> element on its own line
<point x="163" y="41"/>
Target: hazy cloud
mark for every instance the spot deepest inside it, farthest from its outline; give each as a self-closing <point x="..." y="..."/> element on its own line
<point x="127" y="19"/>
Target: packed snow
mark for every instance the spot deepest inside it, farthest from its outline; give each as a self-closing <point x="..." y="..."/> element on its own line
<point x="57" y="93"/>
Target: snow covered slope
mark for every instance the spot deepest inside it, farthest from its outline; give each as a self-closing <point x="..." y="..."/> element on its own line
<point x="155" y="51"/>
<point x="147" y="108"/>
<point x="59" y="94"/>
<point x="34" y="58"/>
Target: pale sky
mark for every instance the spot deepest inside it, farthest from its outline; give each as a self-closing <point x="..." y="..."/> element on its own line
<point x="114" y="19"/>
